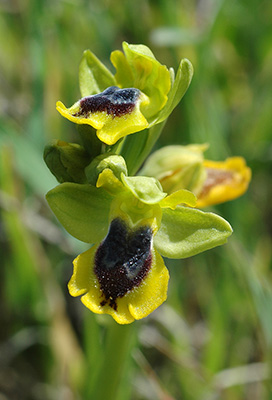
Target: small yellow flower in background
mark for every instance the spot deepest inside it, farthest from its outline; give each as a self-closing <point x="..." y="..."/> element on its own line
<point x="184" y="167"/>
<point x="225" y="180"/>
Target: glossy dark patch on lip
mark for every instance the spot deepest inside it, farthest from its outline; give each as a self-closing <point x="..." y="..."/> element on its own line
<point x="122" y="260"/>
<point x="113" y="101"/>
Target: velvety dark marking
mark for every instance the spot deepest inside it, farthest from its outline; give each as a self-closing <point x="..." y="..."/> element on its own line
<point x="114" y="101"/>
<point x="122" y="260"/>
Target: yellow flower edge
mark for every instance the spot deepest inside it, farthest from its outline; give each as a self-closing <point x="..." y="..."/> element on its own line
<point x="110" y="128"/>
<point x="119" y="127"/>
<point x="136" y="304"/>
<point x="226" y="180"/>
<point x="97" y="119"/>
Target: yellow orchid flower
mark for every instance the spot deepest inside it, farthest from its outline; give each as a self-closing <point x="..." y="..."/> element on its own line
<point x="114" y="113"/>
<point x="131" y="223"/>
<point x="225" y="180"/>
<point x="184" y="167"/>
<point x="141" y="94"/>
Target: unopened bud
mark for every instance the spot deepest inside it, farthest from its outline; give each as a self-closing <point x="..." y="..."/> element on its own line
<point x="66" y="161"/>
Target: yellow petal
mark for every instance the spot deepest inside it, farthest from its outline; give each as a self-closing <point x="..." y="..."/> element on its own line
<point x="135" y="304"/>
<point x="96" y="120"/>
<point x="118" y="127"/>
<point x="83" y="277"/>
<point x="225" y="181"/>
<point x="153" y="290"/>
<point x="181" y="196"/>
<point x="109" y="182"/>
<point x="115" y="113"/>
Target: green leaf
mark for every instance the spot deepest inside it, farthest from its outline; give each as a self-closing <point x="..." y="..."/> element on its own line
<point x="94" y="77"/>
<point x="83" y="210"/>
<point x="146" y="189"/>
<point x="185" y="232"/>
<point x="183" y="79"/>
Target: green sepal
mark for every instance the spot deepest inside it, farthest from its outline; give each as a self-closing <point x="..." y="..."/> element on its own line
<point x="182" y="81"/>
<point x="94" y="77"/>
<point x="170" y="158"/>
<point x="83" y="210"/>
<point x="124" y="74"/>
<point x="137" y="147"/>
<point x="89" y="140"/>
<point x="138" y="68"/>
<point x="66" y="161"/>
<point x="111" y="161"/>
<point x="177" y="167"/>
<point x="146" y="189"/>
<point x="181" y="196"/>
<point x="185" y="232"/>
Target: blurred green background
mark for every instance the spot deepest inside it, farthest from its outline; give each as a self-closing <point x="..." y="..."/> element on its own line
<point x="212" y="339"/>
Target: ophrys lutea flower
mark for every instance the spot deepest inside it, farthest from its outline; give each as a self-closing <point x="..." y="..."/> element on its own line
<point x="184" y="167"/>
<point x="141" y="94"/>
<point x="131" y="223"/>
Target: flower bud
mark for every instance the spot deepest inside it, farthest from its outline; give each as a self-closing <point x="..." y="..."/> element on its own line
<point x="66" y="161"/>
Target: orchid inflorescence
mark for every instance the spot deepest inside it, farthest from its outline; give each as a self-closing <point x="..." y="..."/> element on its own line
<point x="132" y="209"/>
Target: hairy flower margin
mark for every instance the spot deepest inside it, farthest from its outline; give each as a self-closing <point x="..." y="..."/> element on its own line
<point x="130" y="221"/>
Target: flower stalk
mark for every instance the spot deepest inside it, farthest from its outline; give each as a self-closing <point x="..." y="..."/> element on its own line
<point x="111" y="372"/>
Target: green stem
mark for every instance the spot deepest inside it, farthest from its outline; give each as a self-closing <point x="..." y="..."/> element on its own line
<point x="90" y="141"/>
<point x="117" y="351"/>
<point x="137" y="147"/>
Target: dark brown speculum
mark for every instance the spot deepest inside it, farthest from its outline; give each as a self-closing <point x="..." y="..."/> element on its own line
<point x="114" y="101"/>
<point x="122" y="260"/>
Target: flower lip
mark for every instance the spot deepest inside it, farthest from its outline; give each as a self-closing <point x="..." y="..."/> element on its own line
<point x="216" y="177"/>
<point x="114" y="101"/>
<point x="122" y="260"/>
